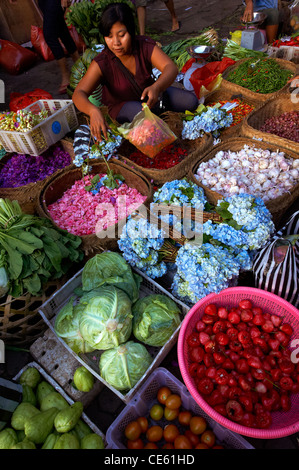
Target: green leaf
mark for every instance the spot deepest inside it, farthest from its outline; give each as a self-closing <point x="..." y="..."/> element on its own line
<point x="15" y="261"/>
<point x="32" y="284"/>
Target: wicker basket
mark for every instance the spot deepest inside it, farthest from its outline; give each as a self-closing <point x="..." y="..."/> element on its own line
<point x="54" y="190"/>
<point x="261" y="97"/>
<point x="276" y="206"/>
<point x="27" y="195"/>
<point x="194" y="148"/>
<point x="228" y="95"/>
<point x="255" y="120"/>
<point x="20" y="321"/>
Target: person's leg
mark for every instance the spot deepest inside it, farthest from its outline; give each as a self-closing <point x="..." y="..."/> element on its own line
<point x="141" y="15"/>
<point x="53" y="21"/>
<point x="179" y="100"/>
<point x="271" y="24"/>
<point x="175" y="23"/>
<point x="129" y="111"/>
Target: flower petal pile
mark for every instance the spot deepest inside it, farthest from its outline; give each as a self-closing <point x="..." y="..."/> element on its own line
<point x="22" y="169"/>
<point x="82" y="213"/>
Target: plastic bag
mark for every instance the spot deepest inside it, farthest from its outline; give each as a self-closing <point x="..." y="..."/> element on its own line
<point x="294" y="16"/>
<point x="21" y="101"/>
<point x="207" y="78"/>
<point x="15" y="58"/>
<point x="276" y="265"/>
<point x="147" y="132"/>
<point x="39" y="43"/>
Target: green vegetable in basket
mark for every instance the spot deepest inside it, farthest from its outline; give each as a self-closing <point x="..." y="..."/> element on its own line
<point x="67" y="441"/>
<point x="155" y="318"/>
<point x="67" y="327"/>
<point x="8" y="438"/>
<point x="53" y="400"/>
<point x="83" y="379"/>
<point x="34" y="250"/>
<point x="67" y="418"/>
<point x="110" y="268"/>
<point x="123" y="367"/>
<point x="38" y="427"/>
<point x="263" y="75"/>
<point x="50" y="441"/>
<point x="4" y="282"/>
<point x="25" y="444"/>
<point x="92" y="441"/>
<point x="31" y="377"/>
<point x="23" y="412"/>
<point x="28" y="395"/>
<point x="43" y="389"/>
<point x="106" y="320"/>
<point x="82" y="429"/>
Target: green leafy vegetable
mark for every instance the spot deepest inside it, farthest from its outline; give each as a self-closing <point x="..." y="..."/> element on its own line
<point x="110" y="268"/>
<point x="106" y="320"/>
<point x="33" y="250"/>
<point x="123" y="367"/>
<point x="155" y="318"/>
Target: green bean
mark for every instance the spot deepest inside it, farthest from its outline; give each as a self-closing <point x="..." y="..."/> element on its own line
<point x="260" y="76"/>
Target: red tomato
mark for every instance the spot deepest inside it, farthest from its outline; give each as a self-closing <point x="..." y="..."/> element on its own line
<point x="185" y="417"/>
<point x="133" y="430"/>
<point x="170" y="432"/>
<point x="208" y="438"/>
<point x="137" y="444"/>
<point x="163" y="394"/>
<point x="198" y="424"/>
<point x="143" y="422"/>
<point x="154" y="433"/>
<point x="182" y="442"/>
<point x="173" y="402"/>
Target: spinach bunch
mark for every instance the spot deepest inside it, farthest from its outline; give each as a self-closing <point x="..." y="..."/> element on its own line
<point x="34" y="250"/>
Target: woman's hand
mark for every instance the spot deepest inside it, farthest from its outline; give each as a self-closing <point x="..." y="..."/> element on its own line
<point x="153" y="93"/>
<point x="248" y="12"/>
<point x="98" y="125"/>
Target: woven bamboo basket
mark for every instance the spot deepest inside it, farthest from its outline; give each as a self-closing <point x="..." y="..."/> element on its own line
<point x="276" y="206"/>
<point x="228" y="95"/>
<point x="54" y="190"/>
<point x="27" y="195"/>
<point x="261" y="97"/>
<point x="275" y="107"/>
<point x="194" y="148"/>
<point x="20" y="321"/>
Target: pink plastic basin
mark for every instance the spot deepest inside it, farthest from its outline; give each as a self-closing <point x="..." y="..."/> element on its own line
<point x="283" y="423"/>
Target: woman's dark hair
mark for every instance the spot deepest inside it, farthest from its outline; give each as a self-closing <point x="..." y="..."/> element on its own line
<point x="115" y="12"/>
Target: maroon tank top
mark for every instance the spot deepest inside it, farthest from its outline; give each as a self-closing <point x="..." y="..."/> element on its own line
<point x="117" y="89"/>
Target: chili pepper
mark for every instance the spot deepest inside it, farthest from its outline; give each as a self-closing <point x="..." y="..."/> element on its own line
<point x="166" y="158"/>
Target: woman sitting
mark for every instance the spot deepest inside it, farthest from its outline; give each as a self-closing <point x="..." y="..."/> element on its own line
<point x="124" y="69"/>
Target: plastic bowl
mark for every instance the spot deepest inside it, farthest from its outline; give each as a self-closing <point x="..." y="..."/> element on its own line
<point x="283" y="423"/>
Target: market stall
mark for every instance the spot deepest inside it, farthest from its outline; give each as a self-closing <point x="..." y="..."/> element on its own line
<point x="173" y="243"/>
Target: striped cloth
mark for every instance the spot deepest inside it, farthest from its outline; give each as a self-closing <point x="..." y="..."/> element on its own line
<point x="10" y="398"/>
<point x="280" y="278"/>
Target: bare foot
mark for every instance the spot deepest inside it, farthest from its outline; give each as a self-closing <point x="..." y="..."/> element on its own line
<point x="175" y="26"/>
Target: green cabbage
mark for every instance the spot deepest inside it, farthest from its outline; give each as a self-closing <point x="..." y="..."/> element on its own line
<point x="67" y="327"/>
<point x="155" y="318"/>
<point x="106" y="320"/>
<point x="123" y="367"/>
<point x="110" y="268"/>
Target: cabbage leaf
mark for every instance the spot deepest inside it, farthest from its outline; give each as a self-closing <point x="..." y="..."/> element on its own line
<point x="155" y="318"/>
<point x="123" y="367"/>
<point x="110" y="268"/>
<point x="106" y="317"/>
